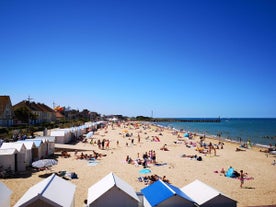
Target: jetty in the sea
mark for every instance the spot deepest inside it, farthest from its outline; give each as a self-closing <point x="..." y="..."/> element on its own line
<point x="186" y="119"/>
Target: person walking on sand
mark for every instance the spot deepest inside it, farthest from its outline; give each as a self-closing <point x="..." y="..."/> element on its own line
<point x="242" y="175"/>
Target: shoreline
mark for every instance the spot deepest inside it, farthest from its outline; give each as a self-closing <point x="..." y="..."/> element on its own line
<point x="215" y="137"/>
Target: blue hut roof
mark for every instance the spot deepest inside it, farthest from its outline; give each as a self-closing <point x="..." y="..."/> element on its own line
<point x="160" y="191"/>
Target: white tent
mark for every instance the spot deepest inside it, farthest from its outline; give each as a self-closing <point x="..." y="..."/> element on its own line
<point x="5" y="195"/>
<point x="206" y="196"/>
<point x="52" y="192"/>
<point x="7" y="159"/>
<point x="118" y="192"/>
<point x="21" y="155"/>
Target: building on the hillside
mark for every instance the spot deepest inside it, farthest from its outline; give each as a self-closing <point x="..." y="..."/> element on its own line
<point x="59" y="116"/>
<point x="6" y="111"/>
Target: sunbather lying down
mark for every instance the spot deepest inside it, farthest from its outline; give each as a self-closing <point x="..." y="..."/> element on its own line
<point x="239" y="150"/>
<point x="67" y="175"/>
<point x="152" y="178"/>
<point x="189" y="156"/>
<point x="202" y="150"/>
<point x="164" y="148"/>
<point x="65" y="154"/>
<point x="198" y="158"/>
<point x="95" y="155"/>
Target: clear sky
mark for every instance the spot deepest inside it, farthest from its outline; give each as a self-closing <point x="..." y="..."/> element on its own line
<point x="172" y="58"/>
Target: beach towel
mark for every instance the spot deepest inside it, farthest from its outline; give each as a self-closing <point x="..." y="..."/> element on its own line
<point x="160" y="164"/>
<point x="145" y="171"/>
<point x="67" y="175"/>
<point x="92" y="163"/>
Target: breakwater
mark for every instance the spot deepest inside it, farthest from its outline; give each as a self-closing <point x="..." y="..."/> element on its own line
<point x="186" y="120"/>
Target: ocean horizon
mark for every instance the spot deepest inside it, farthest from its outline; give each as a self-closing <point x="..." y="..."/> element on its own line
<point x="260" y="131"/>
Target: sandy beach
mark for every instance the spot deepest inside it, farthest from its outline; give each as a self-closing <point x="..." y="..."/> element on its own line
<point x="258" y="189"/>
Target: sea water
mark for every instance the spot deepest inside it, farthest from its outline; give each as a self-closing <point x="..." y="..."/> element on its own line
<point x="260" y="131"/>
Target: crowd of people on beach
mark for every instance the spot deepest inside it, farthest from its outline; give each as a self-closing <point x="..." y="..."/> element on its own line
<point x="147" y="158"/>
<point x="95" y="155"/>
<point x="150" y="179"/>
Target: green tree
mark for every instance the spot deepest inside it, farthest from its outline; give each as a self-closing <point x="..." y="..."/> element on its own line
<point x="24" y="114"/>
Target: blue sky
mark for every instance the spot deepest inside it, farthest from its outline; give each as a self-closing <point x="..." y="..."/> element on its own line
<point x="177" y="58"/>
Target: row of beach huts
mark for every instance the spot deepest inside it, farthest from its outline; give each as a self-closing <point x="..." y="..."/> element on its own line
<point x="17" y="156"/>
<point x="111" y="190"/>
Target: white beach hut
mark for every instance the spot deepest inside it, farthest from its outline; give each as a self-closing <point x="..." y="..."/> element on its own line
<point x="30" y="146"/>
<point x="50" y="142"/>
<point x="51" y="192"/>
<point x="37" y="151"/>
<point x="63" y="136"/>
<point x="78" y="131"/>
<point x="5" y="195"/>
<point x="8" y="159"/>
<point x="90" y="126"/>
<point x="206" y="196"/>
<point x="112" y="191"/>
<point x="21" y="156"/>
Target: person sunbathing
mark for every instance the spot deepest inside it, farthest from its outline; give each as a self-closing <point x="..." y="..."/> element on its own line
<point x="202" y="150"/>
<point x="65" y="154"/>
<point x="164" y="178"/>
<point x="189" y="156"/>
<point x="240" y="150"/>
<point x="153" y="178"/>
<point x="129" y="160"/>
<point x="98" y="155"/>
<point x="164" y="148"/>
<point x="81" y="156"/>
<point x="268" y="150"/>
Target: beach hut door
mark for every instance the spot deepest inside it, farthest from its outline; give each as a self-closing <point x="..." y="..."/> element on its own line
<point x="15" y="162"/>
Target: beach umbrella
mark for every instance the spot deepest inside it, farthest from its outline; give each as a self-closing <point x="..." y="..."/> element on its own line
<point x="44" y="163"/>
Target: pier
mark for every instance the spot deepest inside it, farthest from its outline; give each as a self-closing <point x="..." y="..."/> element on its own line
<point x="186" y="120"/>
